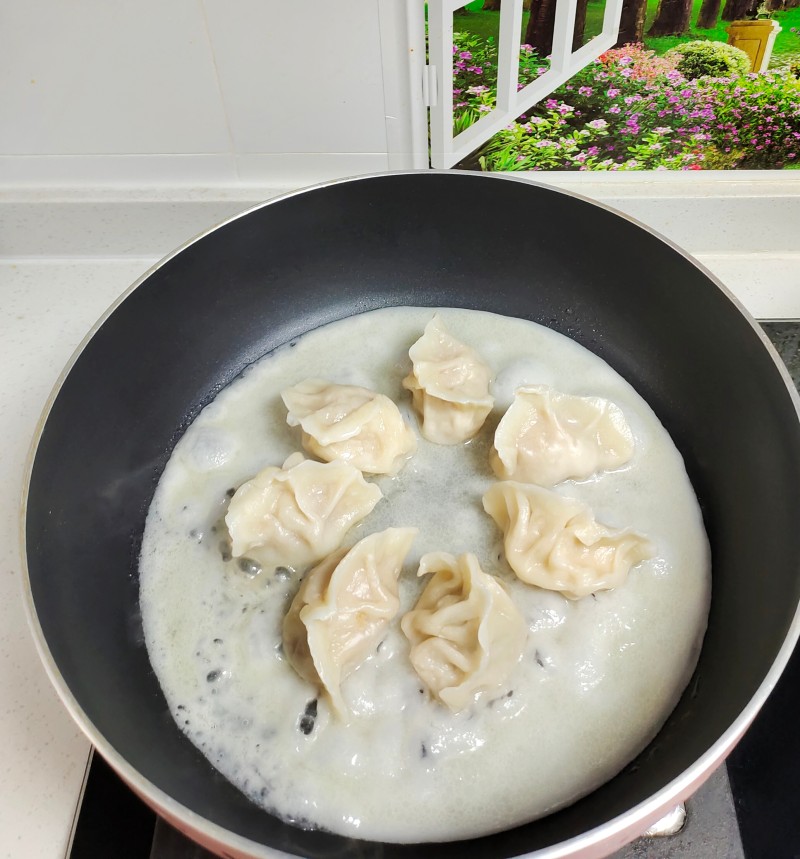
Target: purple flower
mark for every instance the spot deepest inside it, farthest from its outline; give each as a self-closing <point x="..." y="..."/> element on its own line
<point x="612" y="92"/>
<point x="585" y="90"/>
<point x="465" y="55"/>
<point x="615" y="108"/>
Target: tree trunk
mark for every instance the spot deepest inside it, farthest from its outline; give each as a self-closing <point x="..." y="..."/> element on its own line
<point x="526" y="5"/>
<point x="539" y="33"/>
<point x="735" y="10"/>
<point x="774" y="5"/>
<point x="580" y="24"/>
<point x="491" y="5"/>
<point x="709" y="12"/>
<point x="672" y="18"/>
<point x="631" y="25"/>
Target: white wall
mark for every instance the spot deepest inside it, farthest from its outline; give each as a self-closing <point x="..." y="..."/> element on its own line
<point x="190" y="91"/>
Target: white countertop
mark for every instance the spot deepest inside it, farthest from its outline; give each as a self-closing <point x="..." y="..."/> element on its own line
<point x="47" y="307"/>
<point x="63" y="260"/>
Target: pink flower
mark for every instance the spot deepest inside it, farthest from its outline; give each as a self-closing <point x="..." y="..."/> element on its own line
<point x="615" y="108"/>
<point x="465" y="55"/>
<point x="612" y="92"/>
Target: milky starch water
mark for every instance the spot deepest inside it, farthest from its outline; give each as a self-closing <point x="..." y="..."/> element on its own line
<point x="597" y="679"/>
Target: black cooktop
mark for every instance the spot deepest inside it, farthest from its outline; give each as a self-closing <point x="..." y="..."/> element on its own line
<point x="749" y="809"/>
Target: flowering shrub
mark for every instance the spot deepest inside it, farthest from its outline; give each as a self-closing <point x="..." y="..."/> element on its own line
<point x="715" y="59"/>
<point x="638" y="63"/>
<point x="632" y="110"/>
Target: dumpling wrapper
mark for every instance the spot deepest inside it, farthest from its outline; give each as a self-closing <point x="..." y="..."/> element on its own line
<point x="297" y="514"/>
<point x="555" y="543"/>
<point x="546" y="437"/>
<point x="466" y="633"/>
<point x="352" y="424"/>
<point x="449" y="385"/>
<point x="343" y="608"/>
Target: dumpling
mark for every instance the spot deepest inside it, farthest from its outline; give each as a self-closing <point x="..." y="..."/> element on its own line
<point x="449" y="385"/>
<point x="466" y="634"/>
<point x="349" y="423"/>
<point x="546" y="437"/>
<point x="555" y="542"/>
<point x="343" y="608"/>
<point x="295" y="515"/>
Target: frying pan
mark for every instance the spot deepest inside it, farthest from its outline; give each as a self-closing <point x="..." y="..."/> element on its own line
<point x="195" y="321"/>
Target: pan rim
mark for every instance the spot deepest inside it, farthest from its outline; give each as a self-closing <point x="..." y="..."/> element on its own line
<point x="614" y="831"/>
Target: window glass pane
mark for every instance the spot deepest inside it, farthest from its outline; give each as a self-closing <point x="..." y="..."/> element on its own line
<point x="672" y="95"/>
<point x="475" y="39"/>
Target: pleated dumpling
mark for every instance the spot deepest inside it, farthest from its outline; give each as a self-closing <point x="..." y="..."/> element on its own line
<point x="555" y="542"/>
<point x="466" y="634"/>
<point x="343" y="608"/>
<point x="449" y="385"/>
<point x="546" y="437"/>
<point x="297" y="514"/>
<point x="349" y="423"/>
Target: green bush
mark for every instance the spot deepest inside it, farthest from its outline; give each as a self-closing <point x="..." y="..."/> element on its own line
<point x="714" y="59"/>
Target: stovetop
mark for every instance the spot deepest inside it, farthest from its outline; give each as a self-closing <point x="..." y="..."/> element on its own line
<point x="749" y="808"/>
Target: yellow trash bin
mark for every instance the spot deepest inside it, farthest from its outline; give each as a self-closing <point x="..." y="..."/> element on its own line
<point x="756" y="39"/>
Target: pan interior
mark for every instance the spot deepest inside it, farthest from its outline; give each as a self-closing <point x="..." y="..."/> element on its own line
<point x="414" y="239"/>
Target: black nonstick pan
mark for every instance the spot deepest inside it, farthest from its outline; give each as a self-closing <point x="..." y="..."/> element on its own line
<point x="434" y="239"/>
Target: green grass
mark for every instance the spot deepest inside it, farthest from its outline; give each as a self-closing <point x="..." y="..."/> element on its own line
<point x="486" y="24"/>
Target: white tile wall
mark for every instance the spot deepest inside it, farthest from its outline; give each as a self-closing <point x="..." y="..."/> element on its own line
<point x="190" y="91"/>
<point x="108" y="76"/>
<point x="300" y="75"/>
